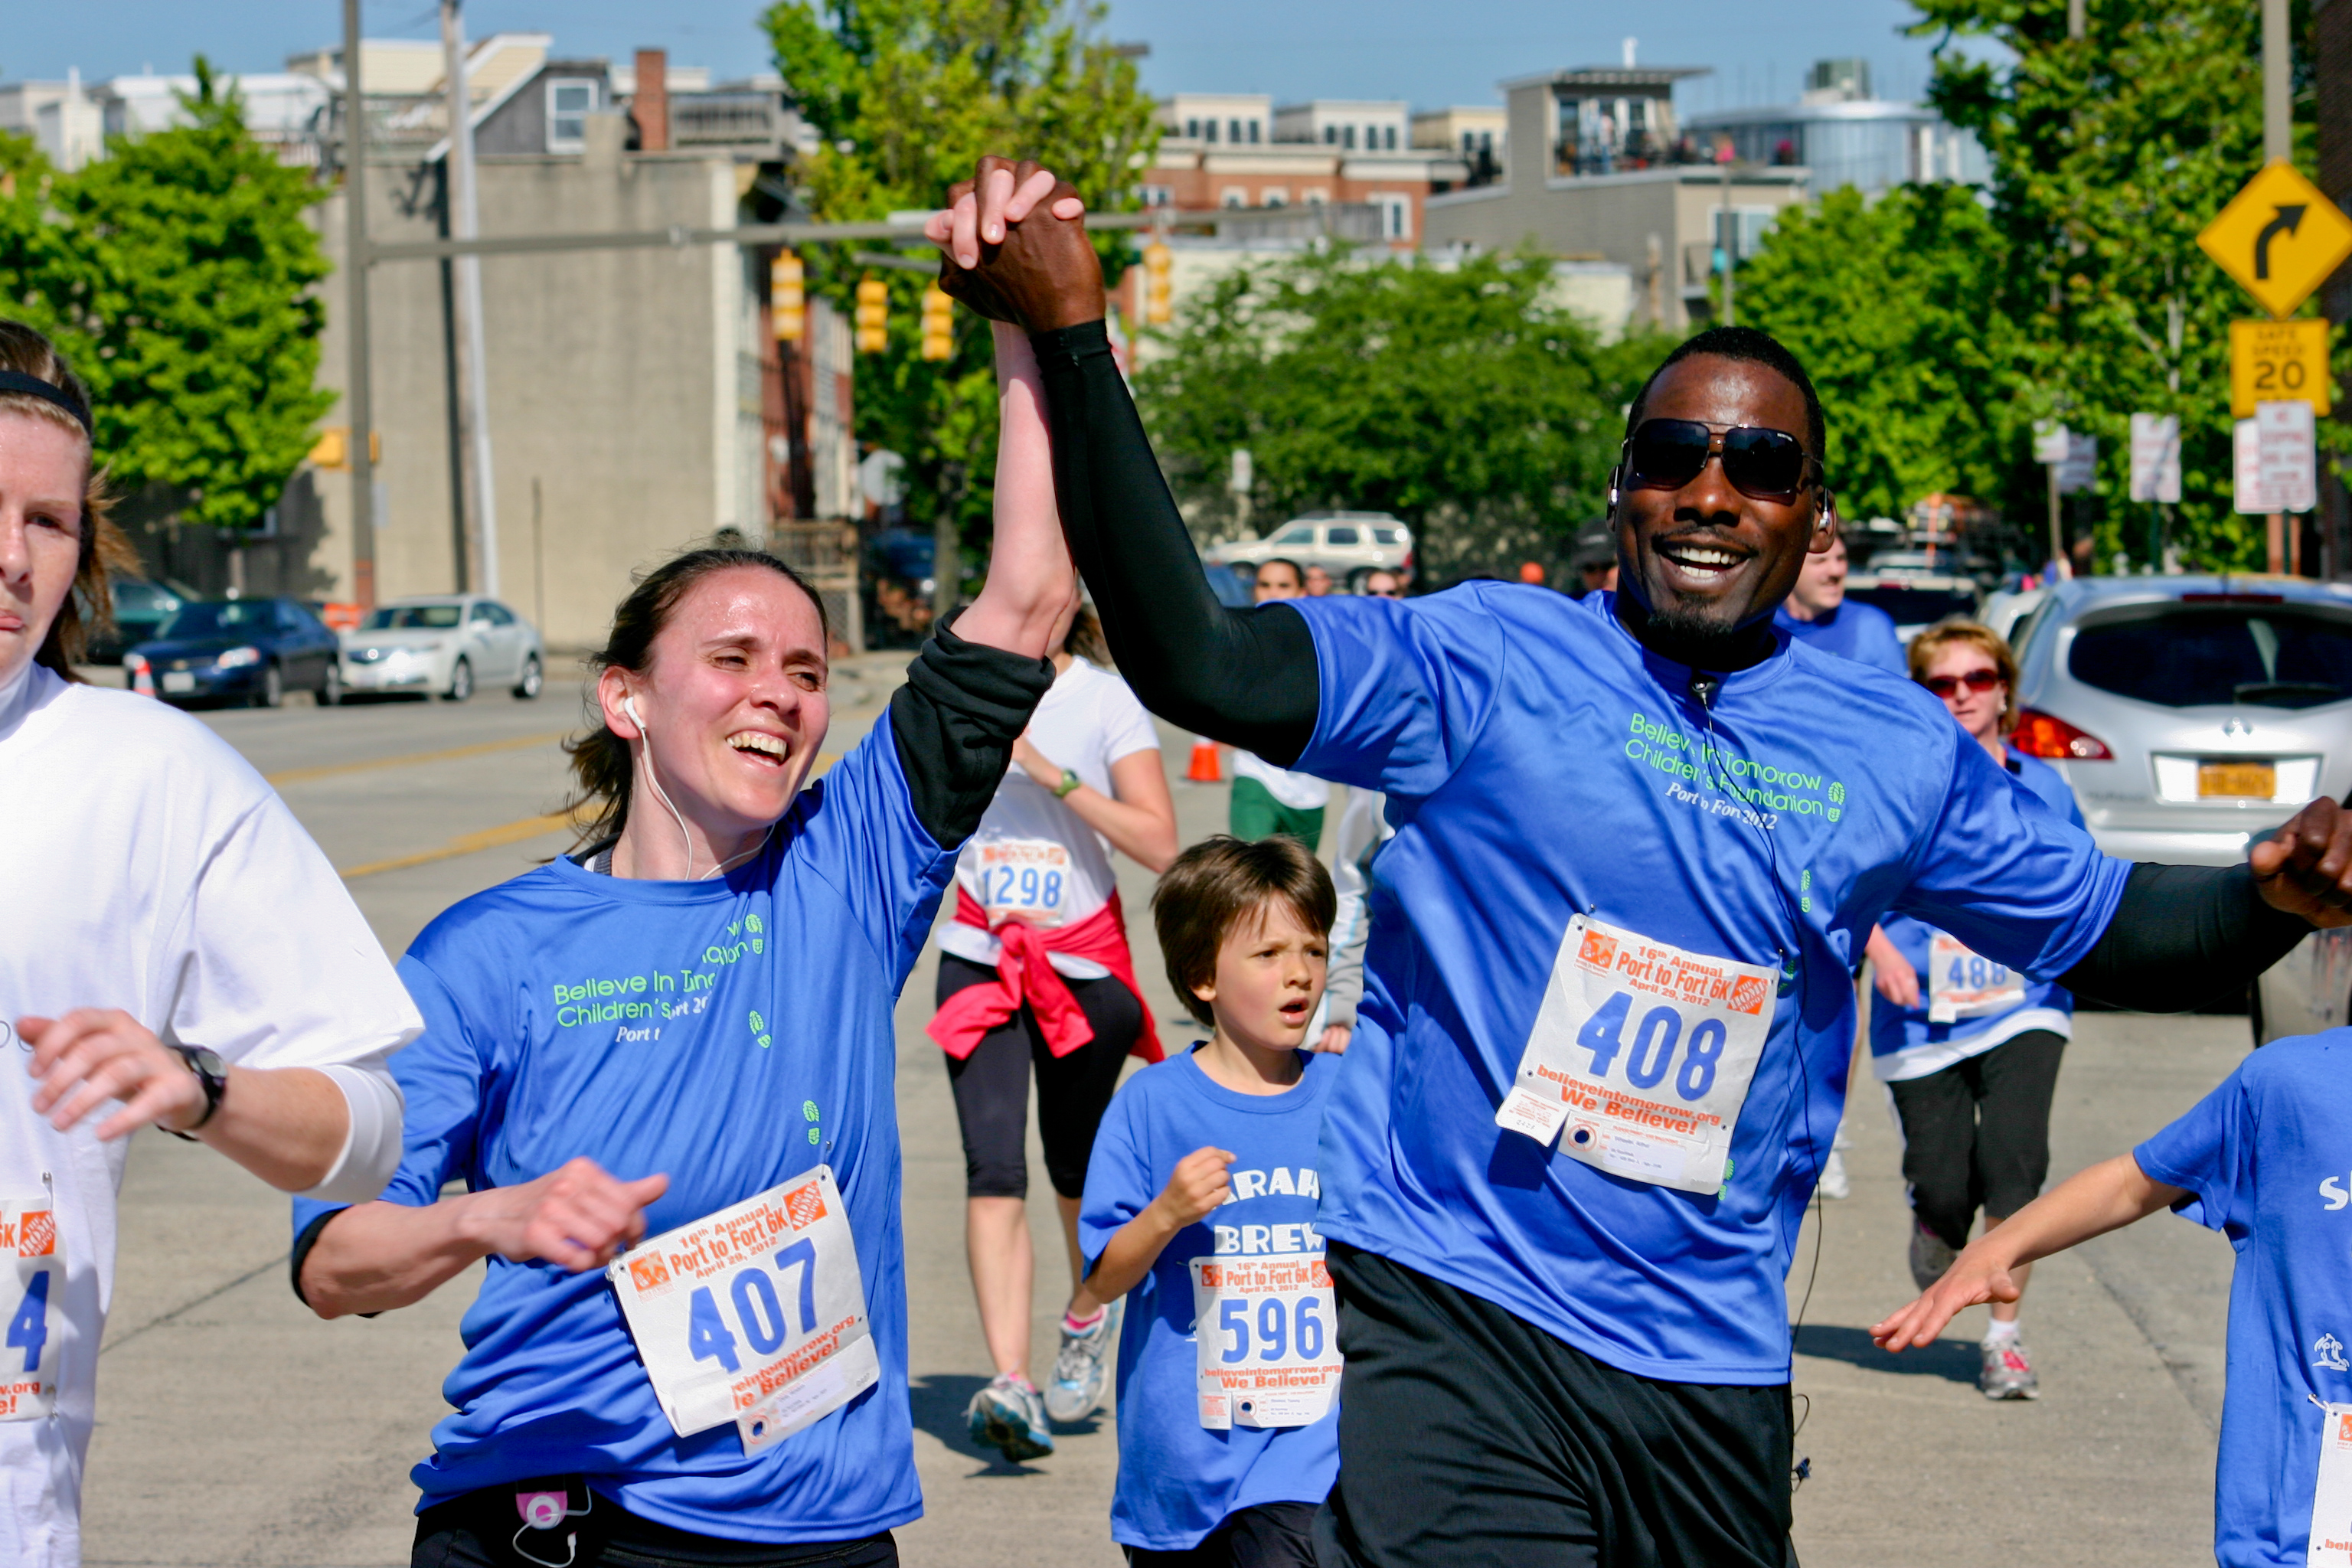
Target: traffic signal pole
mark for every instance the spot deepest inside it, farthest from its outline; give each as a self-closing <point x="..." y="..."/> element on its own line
<point x="2278" y="146"/>
<point x="355" y="280"/>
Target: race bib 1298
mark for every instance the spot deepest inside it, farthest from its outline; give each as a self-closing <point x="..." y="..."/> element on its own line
<point x="1269" y="1342"/>
<point x="32" y="1296"/>
<point x="1643" y="1052"/>
<point x="755" y="1314"/>
<point x="1025" y="879"/>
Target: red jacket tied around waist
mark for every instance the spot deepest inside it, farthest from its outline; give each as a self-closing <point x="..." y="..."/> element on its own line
<point x="1024" y="975"/>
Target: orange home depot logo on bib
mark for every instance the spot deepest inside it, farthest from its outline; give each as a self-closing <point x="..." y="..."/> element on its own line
<point x="1598" y="952"/>
<point x="1665" y="972"/>
<point x="34" y="1234"/>
<point x="805" y="1208"/>
<point x="649" y="1273"/>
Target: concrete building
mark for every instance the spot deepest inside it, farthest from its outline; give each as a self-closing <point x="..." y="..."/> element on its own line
<point x="1846" y="137"/>
<point x="1599" y="169"/>
<point x="1478" y="134"/>
<point x="1224" y="151"/>
<point x="63" y="120"/>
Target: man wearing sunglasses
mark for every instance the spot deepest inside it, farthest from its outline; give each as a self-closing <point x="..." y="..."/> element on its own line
<point x="1817" y="613"/>
<point x="1608" y="1009"/>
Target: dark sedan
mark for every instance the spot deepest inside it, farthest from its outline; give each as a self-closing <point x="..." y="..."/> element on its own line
<point x="241" y="650"/>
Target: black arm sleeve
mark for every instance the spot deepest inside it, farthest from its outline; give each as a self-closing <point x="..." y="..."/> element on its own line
<point x="1245" y="676"/>
<point x="955" y="720"/>
<point x="2183" y="936"/>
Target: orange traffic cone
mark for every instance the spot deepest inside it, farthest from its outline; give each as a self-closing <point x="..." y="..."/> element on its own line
<point x="1204" y="768"/>
<point x="142" y="679"/>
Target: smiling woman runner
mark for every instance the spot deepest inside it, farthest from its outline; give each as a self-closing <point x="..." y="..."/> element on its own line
<point x="684" y="1031"/>
<point x="171" y="939"/>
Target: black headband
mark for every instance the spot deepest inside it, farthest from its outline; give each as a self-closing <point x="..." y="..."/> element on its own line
<point x="33" y="386"/>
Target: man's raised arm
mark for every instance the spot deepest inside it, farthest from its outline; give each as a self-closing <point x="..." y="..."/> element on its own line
<point x="1240" y="676"/>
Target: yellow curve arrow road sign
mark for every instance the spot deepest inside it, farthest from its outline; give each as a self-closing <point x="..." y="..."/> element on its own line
<point x="2279" y="237"/>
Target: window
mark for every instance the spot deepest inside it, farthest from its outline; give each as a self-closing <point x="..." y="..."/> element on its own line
<point x="1317" y="196"/>
<point x="1233" y="196"/>
<point x="1208" y="129"/>
<point x="1384" y="536"/>
<point x="413" y="617"/>
<point x="2190" y="656"/>
<point x="1388" y="138"/>
<point x="482" y="616"/>
<point x="1337" y="535"/>
<point x="1253" y="132"/>
<point x="1233" y="131"/>
<point x="1348" y="137"/>
<point x="1160" y="195"/>
<point x="1300" y="533"/>
<point x="1274" y="196"/>
<point x="1330" y="134"/>
<point x="1396" y="216"/>
<point x="1193" y="127"/>
<point x="500" y="614"/>
<point x="1469" y="142"/>
<point x="570" y="101"/>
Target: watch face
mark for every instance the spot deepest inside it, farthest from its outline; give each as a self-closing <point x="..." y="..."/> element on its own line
<point x="208" y="1062"/>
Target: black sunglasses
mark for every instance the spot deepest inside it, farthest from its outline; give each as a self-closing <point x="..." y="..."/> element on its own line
<point x="1761" y="464"/>
<point x="1975" y="681"/>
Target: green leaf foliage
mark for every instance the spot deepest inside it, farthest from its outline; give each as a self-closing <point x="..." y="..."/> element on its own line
<point x="2110" y="152"/>
<point x="1462" y="399"/>
<point x="1885" y="305"/>
<point x="176" y="275"/>
<point x="905" y="97"/>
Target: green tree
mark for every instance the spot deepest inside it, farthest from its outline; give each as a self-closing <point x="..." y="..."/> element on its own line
<point x="904" y="97"/>
<point x="1884" y="303"/>
<point x="1462" y="399"/>
<point x="175" y="274"/>
<point x="2110" y="152"/>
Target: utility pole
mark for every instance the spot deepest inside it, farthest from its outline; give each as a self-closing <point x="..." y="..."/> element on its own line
<point x="464" y="222"/>
<point x="2278" y="63"/>
<point x="1727" y="235"/>
<point x="355" y="279"/>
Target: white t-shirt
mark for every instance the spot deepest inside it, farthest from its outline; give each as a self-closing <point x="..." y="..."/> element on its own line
<point x="1297" y="790"/>
<point x="1033" y="856"/>
<point x="150" y="868"/>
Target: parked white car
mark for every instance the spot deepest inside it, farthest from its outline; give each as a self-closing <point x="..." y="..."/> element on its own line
<point x="444" y="645"/>
<point x="1350" y="545"/>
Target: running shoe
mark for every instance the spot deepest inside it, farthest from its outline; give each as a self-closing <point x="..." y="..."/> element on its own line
<point x="1008" y="1414"/>
<point x="1082" y="1369"/>
<point x="2007" y="1373"/>
<point x="1930" y="1255"/>
<point x="1833" y="1184"/>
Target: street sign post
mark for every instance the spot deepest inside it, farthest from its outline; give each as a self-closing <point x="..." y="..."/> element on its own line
<point x="2279" y="237"/>
<point x="2278" y="362"/>
<point x="2155" y="458"/>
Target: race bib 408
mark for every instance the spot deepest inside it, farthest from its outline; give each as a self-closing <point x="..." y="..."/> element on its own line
<point x="1643" y="1052"/>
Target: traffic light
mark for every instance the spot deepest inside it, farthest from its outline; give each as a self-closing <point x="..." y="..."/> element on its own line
<point x="873" y="315"/>
<point x="787" y="301"/>
<point x="939" y="323"/>
<point x="1157" y="262"/>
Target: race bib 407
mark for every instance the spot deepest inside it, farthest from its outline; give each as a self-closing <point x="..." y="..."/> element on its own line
<point x="32" y="1294"/>
<point x="1643" y="1052"/>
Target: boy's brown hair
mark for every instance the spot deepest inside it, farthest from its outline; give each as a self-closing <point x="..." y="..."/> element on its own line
<point x="1216" y="884"/>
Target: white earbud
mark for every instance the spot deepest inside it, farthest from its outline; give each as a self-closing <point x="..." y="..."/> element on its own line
<point x="629" y="706"/>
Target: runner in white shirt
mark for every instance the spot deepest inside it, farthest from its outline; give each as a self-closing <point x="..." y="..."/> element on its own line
<point x="1267" y="799"/>
<point x="172" y="940"/>
<point x="1037" y="879"/>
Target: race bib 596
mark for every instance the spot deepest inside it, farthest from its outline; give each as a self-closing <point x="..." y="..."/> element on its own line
<point x="1268" y="1338"/>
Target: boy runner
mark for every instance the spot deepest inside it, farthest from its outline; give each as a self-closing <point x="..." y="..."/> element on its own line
<point x="2261" y="1158"/>
<point x="1650" y="795"/>
<point x="1199" y="1200"/>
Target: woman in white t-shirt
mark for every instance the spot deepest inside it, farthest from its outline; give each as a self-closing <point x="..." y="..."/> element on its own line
<point x="1035" y="974"/>
<point x="172" y="941"/>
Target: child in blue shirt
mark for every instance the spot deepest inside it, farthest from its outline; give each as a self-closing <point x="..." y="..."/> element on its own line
<point x="2266" y="1158"/>
<point x="1200" y="1200"/>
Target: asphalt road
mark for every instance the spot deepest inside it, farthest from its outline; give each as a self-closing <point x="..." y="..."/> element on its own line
<point x="234" y="1428"/>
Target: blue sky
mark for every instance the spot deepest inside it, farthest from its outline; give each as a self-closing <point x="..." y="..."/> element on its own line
<point x="1410" y="50"/>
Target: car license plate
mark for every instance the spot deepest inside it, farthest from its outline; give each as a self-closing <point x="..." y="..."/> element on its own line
<point x="179" y="681"/>
<point x="2237" y="781"/>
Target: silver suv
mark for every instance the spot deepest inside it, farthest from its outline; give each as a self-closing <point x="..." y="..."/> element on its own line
<point x="2191" y="715"/>
<point x="1350" y="545"/>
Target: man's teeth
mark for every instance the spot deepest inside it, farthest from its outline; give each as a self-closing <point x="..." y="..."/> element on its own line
<point x="755" y="741"/>
<point x="1703" y="557"/>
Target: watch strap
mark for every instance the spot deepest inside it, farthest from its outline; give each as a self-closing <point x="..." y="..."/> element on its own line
<point x="215" y="1085"/>
<point x="1069" y="784"/>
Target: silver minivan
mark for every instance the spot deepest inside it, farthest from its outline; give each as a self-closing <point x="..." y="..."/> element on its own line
<point x="2191" y="715"/>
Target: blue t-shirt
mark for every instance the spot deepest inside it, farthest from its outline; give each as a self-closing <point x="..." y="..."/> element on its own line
<point x="1540" y="763"/>
<point x="1863" y="633"/>
<point x="1177" y="1480"/>
<point x="1903" y="1043"/>
<point x="731" y="1033"/>
<point x="2266" y="1158"/>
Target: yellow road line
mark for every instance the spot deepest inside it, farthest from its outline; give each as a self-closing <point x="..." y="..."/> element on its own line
<point x="468" y="843"/>
<point x="520" y="742"/>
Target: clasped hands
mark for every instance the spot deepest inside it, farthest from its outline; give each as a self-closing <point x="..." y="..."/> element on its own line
<point x="1015" y="248"/>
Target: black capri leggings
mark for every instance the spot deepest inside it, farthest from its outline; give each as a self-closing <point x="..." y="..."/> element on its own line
<point x="992" y="1086"/>
<point x="1976" y="1135"/>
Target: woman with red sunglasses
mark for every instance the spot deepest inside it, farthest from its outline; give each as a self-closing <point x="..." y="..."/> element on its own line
<point x="1968" y="1048"/>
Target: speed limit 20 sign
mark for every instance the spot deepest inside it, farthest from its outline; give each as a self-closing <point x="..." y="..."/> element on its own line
<point x="2278" y="362"/>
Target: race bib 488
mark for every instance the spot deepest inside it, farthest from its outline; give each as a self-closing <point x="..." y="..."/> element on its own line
<point x="1643" y="1052"/>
